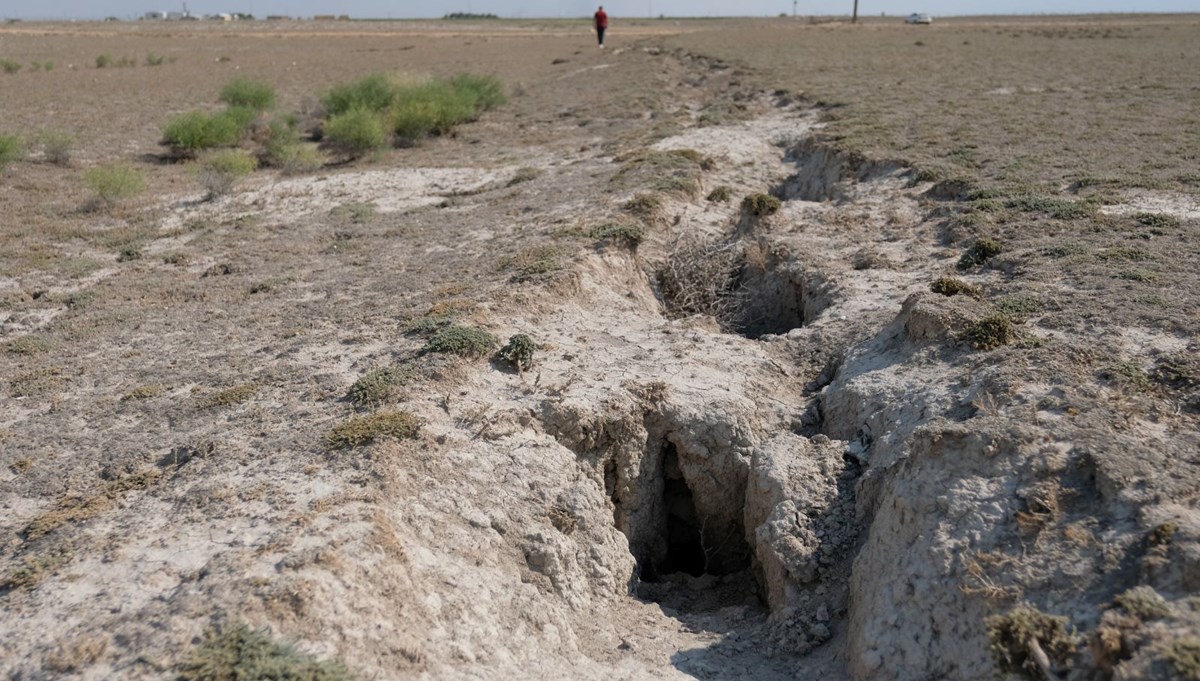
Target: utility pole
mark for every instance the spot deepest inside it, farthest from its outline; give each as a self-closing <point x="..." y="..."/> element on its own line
<point x="854" y="19"/>
<point x="794" y="3"/>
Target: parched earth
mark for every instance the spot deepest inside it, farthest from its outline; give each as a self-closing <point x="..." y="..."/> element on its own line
<point x="902" y="423"/>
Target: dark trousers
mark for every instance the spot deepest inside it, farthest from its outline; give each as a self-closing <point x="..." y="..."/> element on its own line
<point x="600" y="34"/>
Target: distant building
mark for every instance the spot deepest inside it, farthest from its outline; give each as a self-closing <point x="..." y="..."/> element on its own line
<point x="155" y="16"/>
<point x="219" y="17"/>
<point x="278" y="17"/>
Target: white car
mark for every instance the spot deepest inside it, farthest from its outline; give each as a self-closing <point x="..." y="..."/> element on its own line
<point x="919" y="19"/>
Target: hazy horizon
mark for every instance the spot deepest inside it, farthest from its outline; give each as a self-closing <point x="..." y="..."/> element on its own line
<point x="526" y="9"/>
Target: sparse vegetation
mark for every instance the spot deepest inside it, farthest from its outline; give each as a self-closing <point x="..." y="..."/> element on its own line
<point x="949" y="286"/>
<point x="10" y="67"/>
<point x="145" y="392"/>
<point x="114" y="183"/>
<point x="623" y="232"/>
<point x="760" y="205"/>
<point x="11" y="150"/>
<point x="29" y="344"/>
<point x="1184" y="655"/>
<point x="721" y="194"/>
<point x="518" y="351"/>
<point x="238" y="653"/>
<point x="243" y="92"/>
<point x="229" y="397"/>
<point x="56" y="147"/>
<point x="464" y="341"/>
<point x="357" y="213"/>
<point x="991" y="332"/>
<point x="153" y="59"/>
<point x="532" y="263"/>
<point x="645" y="206"/>
<point x="377" y="385"/>
<point x="360" y="430"/>
<point x="219" y="171"/>
<point x="1142" y="602"/>
<point x="980" y="252"/>
<point x="700" y="277"/>
<point x="1018" y="307"/>
<point x="524" y="174"/>
<point x="1016" y="638"/>
<point x="36" y="568"/>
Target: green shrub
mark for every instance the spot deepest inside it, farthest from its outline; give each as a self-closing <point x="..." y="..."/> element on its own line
<point x="1142" y="602"/>
<point x="378" y="385"/>
<point x="486" y="91"/>
<point x="115" y="182"/>
<point x="1010" y="636"/>
<point x="155" y="59"/>
<point x="9" y="66"/>
<point x="646" y="206"/>
<point x="242" y="92"/>
<point x="196" y="131"/>
<point x="464" y="341"/>
<point x="1018" y="307"/>
<point x="980" y="252"/>
<point x="57" y="147"/>
<point x="721" y="194"/>
<point x="531" y="263"/>
<point x="1157" y="220"/>
<point x="373" y="93"/>
<point x="991" y="332"/>
<point x="949" y="286"/>
<point x="11" y="150"/>
<point x="760" y="205"/>
<point x="229" y="397"/>
<point x="1184" y="654"/>
<point x="355" y="133"/>
<point x="104" y="61"/>
<point x="360" y="430"/>
<point x="219" y="171"/>
<point x="431" y="108"/>
<point x="518" y="352"/>
<point x="239" y="653"/>
<point x="628" y="233"/>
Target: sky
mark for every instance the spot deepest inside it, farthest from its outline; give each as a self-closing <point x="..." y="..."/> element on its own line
<point x="91" y="9"/>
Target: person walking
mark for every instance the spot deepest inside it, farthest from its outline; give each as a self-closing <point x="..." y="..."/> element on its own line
<point x="600" y="19"/>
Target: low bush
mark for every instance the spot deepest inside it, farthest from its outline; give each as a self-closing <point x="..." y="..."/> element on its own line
<point x="361" y="430"/>
<point x="355" y="133"/>
<point x="196" y="131"/>
<point x="1184" y="654"/>
<point x="57" y="147"/>
<point x="486" y="91"/>
<point x="104" y="61"/>
<point x="219" y="171"/>
<point x="229" y="397"/>
<point x="1013" y="637"/>
<point x="242" y="92"/>
<point x="721" y="194"/>
<point x="991" y="332"/>
<point x="628" y="233"/>
<point x="239" y="652"/>
<point x="373" y="93"/>
<point x="378" y="385"/>
<point x="980" y="252"/>
<point x="949" y="286"/>
<point x="115" y="182"/>
<point x="518" y="351"/>
<point x="760" y="205"/>
<point x="11" y="150"/>
<point x="531" y="263"/>
<point x="155" y="59"/>
<point x="464" y="341"/>
<point x="9" y="66"/>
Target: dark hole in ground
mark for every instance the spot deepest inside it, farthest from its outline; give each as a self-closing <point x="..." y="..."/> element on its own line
<point x="749" y="288"/>
<point x="685" y="543"/>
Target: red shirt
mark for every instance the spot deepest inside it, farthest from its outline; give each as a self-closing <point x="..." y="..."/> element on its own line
<point x="601" y="19"/>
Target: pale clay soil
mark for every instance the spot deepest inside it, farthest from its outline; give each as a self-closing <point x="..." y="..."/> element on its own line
<point x="855" y="472"/>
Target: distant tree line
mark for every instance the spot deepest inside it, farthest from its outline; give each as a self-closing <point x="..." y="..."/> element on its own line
<point x="469" y="15"/>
